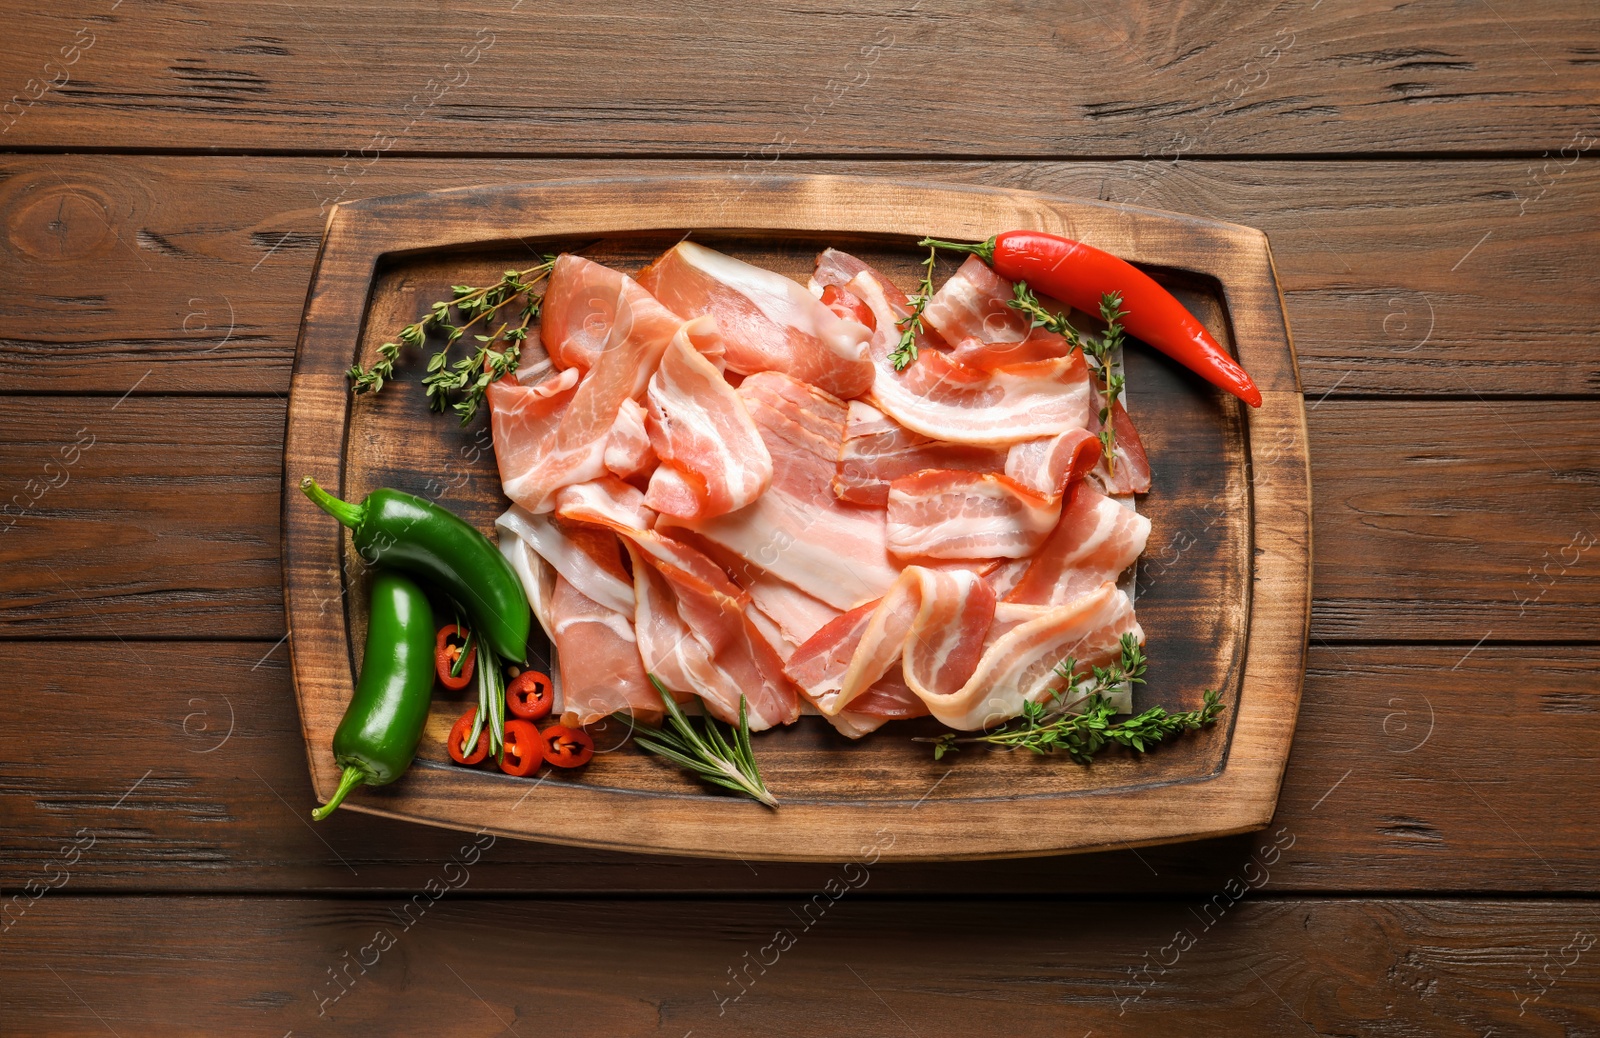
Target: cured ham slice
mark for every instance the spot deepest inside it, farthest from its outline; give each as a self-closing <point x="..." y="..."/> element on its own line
<point x="601" y="672"/>
<point x="947" y="400"/>
<point x="729" y="656"/>
<point x="1131" y="474"/>
<point x="534" y="464"/>
<point x="798" y="531"/>
<point x="628" y="451"/>
<point x="878" y="450"/>
<point x="1047" y="465"/>
<point x="768" y="322"/>
<point x="1094" y="540"/>
<point x="943" y="514"/>
<point x="712" y="458"/>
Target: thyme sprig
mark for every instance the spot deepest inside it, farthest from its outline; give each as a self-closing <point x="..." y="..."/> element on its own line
<point x="459" y="385"/>
<point x="911" y="326"/>
<point x="1049" y="725"/>
<point x="1100" y="351"/>
<point x="721" y="760"/>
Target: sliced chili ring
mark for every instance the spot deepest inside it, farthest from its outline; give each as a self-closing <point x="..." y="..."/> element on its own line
<point x="451" y="642"/>
<point x="458" y="739"/>
<point x="567" y="747"/>
<point x="530" y="695"/>
<point x="524" y="749"/>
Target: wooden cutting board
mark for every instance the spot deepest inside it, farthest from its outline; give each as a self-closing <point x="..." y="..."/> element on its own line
<point x="1224" y="587"/>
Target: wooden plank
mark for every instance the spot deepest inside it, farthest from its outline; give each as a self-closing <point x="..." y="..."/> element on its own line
<point x="625" y="77"/>
<point x="1442" y="520"/>
<point x="1414" y="768"/>
<point x="1263" y="967"/>
<point x="146" y="515"/>
<point x="1399" y="277"/>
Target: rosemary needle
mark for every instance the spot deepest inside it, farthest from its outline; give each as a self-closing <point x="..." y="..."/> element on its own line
<point x="725" y="761"/>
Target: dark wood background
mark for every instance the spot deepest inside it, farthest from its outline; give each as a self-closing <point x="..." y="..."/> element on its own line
<point x="1426" y="173"/>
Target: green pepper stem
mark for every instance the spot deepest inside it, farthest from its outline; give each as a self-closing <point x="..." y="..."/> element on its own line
<point x="984" y="250"/>
<point x="347" y="513"/>
<point x="353" y="777"/>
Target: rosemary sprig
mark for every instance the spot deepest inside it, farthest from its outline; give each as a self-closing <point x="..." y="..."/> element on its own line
<point x="1099" y="350"/>
<point x="725" y="761"/>
<point x="460" y="385"/>
<point x="911" y="326"/>
<point x="1047" y="726"/>
<point x="491" y="703"/>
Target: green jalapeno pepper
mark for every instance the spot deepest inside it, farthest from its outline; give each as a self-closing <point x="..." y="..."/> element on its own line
<point x="405" y="532"/>
<point x="378" y="737"/>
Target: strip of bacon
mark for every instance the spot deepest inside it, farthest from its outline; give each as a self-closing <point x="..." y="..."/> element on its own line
<point x="601" y="672"/>
<point x="768" y="322"/>
<point x="733" y="657"/>
<point x="1020" y="666"/>
<point x="937" y="624"/>
<point x="1048" y="465"/>
<point x="798" y="531"/>
<point x="523" y="417"/>
<point x="878" y="450"/>
<point x="1093" y="542"/>
<point x="580" y="306"/>
<point x="628" y="452"/>
<point x="971" y="310"/>
<point x="938" y="617"/>
<point x="712" y="458"/>
<point x="534" y="465"/>
<point x="958" y="403"/>
<point x="589" y="559"/>
<point x="947" y="514"/>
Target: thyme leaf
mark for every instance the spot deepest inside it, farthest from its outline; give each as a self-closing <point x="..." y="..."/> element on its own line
<point x="459" y="385"/>
<point x="911" y="326"/>
<point x="1099" y="351"/>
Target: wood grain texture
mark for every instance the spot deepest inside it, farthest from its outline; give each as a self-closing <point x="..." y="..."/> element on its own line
<point x="1414" y="768"/>
<point x="1256" y="658"/>
<point x="626" y="77"/>
<point x="1436" y="520"/>
<point x="1218" y="968"/>
<point x="1400" y="278"/>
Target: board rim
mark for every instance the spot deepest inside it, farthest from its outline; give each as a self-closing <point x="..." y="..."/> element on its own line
<point x="1238" y="796"/>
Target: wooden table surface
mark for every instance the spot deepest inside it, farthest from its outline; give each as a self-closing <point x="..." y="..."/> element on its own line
<point x="1426" y="174"/>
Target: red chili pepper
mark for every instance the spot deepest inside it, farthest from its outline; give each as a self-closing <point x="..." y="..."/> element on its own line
<point x="524" y="749"/>
<point x="447" y="648"/>
<point x="1079" y="274"/>
<point x="567" y="747"/>
<point x="530" y="695"/>
<point x="458" y="740"/>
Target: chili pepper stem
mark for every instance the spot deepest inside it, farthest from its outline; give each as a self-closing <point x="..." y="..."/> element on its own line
<point x="347" y="513"/>
<point x="352" y="777"/>
<point x="984" y="250"/>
